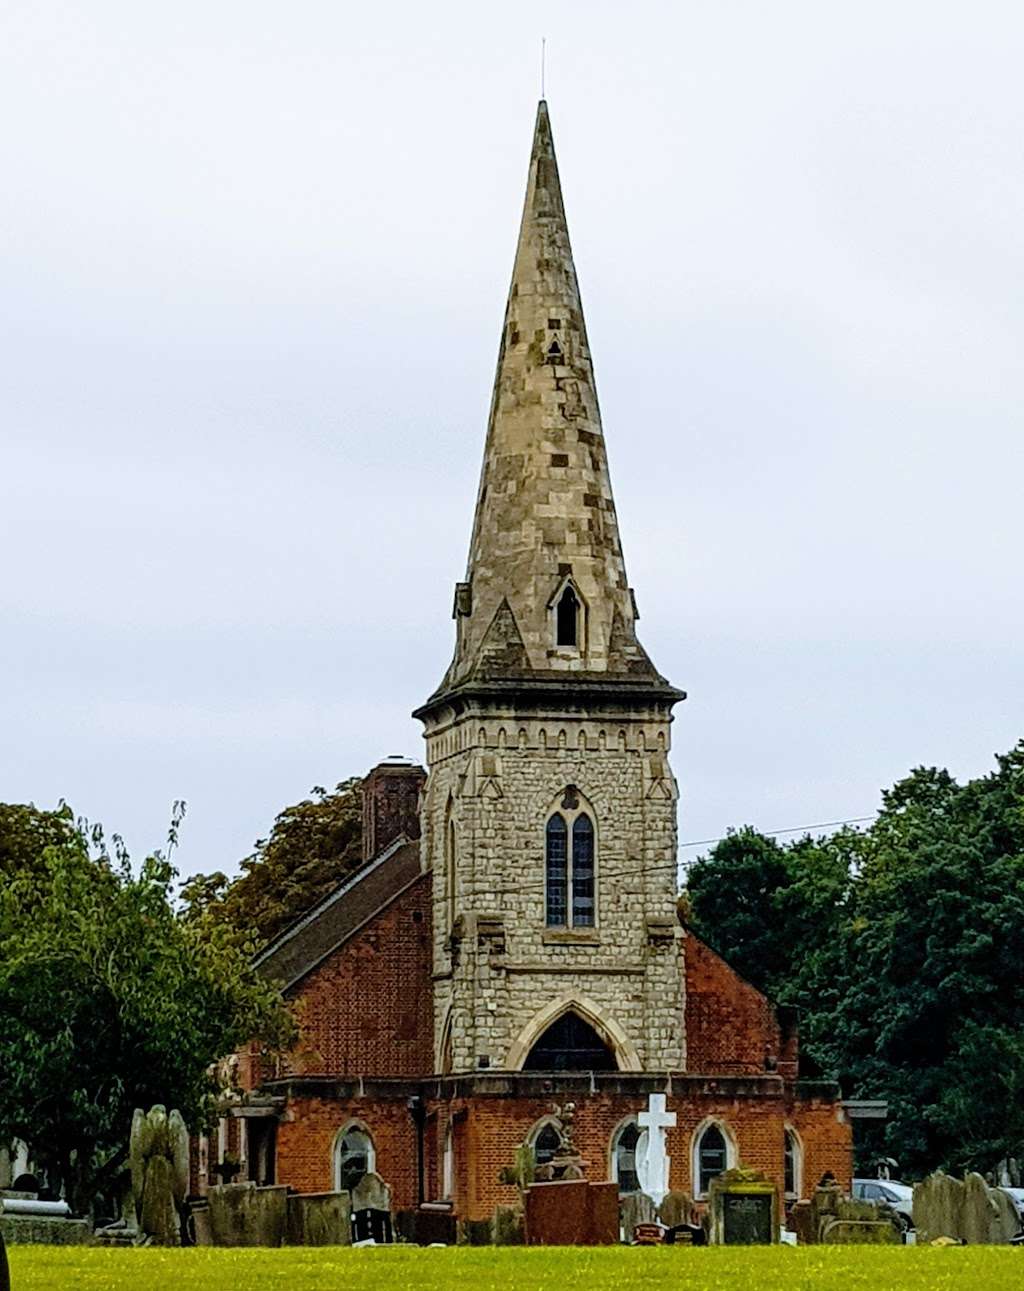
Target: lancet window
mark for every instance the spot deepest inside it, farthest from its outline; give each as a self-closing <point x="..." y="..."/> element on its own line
<point x="570" y="865"/>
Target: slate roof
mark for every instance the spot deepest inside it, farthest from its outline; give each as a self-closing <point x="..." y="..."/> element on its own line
<point x="321" y="930"/>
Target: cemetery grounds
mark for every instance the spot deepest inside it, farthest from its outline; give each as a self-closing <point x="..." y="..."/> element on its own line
<point x="410" y="1268"/>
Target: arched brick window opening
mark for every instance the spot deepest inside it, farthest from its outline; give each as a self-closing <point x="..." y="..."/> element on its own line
<point x="793" y="1166"/>
<point x="570" y="1044"/>
<point x="624" y="1143"/>
<point x="544" y="1139"/>
<point x="712" y="1158"/>
<point x="354" y="1156"/>
<point x="567" y="619"/>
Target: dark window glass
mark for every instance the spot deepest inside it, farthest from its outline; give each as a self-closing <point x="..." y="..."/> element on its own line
<point x="625" y="1158"/>
<point x="545" y="1145"/>
<point x="557" y="873"/>
<point x="711" y="1157"/>
<point x="567" y="616"/>
<point x="582" y="872"/>
<point x="570" y="1044"/>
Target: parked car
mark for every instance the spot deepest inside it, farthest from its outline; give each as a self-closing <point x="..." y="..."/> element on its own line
<point x="888" y="1192"/>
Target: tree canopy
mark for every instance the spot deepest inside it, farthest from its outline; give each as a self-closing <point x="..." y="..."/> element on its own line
<point x="312" y="847"/>
<point x="108" y="999"/>
<point x="903" y="945"/>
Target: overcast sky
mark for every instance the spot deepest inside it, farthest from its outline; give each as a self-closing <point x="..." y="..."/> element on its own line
<point x="254" y="260"/>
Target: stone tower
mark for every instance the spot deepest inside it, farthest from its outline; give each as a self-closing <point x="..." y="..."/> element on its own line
<point x="549" y="810"/>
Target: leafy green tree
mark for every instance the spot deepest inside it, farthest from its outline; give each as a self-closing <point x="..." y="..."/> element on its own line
<point x="312" y="847"/>
<point x="903" y="944"/>
<point x="110" y="1001"/>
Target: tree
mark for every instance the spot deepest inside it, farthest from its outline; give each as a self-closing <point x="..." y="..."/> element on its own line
<point x="313" y="846"/>
<point x="109" y="1001"/>
<point x="903" y="944"/>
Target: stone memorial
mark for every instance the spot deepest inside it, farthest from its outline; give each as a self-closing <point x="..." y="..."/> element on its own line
<point x="572" y="1212"/>
<point x="652" y="1159"/>
<point x="636" y="1208"/>
<point x="318" y="1219"/>
<point x="968" y="1211"/>
<point x="158" y="1158"/>
<point x="508" y="1227"/>
<point x="743" y="1208"/>
<point x="240" y="1214"/>
<point x="676" y="1208"/>
<point x="371" y="1210"/>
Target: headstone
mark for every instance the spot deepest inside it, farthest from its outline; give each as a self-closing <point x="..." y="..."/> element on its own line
<point x="474" y="1232"/>
<point x="938" y="1207"/>
<point x="371" y="1210"/>
<point x="743" y="1206"/>
<point x="508" y="1227"/>
<point x="243" y="1215"/>
<point x="635" y="1208"/>
<point x="572" y="1212"/>
<point x="432" y="1224"/>
<point x="675" y="1209"/>
<point x="652" y="1159"/>
<point x="318" y="1219"/>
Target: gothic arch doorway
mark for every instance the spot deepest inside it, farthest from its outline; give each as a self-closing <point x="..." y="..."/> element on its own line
<point x="570" y="1044"/>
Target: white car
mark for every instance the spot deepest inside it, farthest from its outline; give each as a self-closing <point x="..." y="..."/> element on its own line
<point x="1016" y="1195"/>
<point x="888" y="1192"/>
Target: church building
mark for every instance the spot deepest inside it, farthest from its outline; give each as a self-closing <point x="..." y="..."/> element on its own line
<point x="512" y="942"/>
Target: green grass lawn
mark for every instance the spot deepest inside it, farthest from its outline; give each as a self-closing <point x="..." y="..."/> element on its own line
<point x="508" y="1268"/>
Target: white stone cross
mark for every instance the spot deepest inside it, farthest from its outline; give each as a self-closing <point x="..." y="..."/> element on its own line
<point x="652" y="1161"/>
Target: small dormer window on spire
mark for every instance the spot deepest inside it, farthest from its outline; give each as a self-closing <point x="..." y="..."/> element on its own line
<point x="567" y="618"/>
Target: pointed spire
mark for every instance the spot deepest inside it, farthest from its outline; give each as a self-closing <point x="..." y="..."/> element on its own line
<point x="545" y="526"/>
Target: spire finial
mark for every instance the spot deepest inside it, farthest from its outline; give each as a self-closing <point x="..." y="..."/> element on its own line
<point x="543" y="52"/>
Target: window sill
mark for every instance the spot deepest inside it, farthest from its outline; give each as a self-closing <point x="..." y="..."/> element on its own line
<point x="571" y="937"/>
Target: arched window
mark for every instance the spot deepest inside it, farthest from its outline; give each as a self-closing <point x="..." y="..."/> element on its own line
<point x="545" y="1141"/>
<point x="793" y="1164"/>
<point x="448" y="1164"/>
<point x="353" y="1157"/>
<point x="712" y="1158"/>
<point x="567" y="619"/>
<point x="450" y="856"/>
<point x="570" y="1044"/>
<point x="624" y="1157"/>
<point x="557" y="872"/>
<point x="582" y="872"/>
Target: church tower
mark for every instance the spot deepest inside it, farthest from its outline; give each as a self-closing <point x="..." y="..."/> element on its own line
<point x="549" y="811"/>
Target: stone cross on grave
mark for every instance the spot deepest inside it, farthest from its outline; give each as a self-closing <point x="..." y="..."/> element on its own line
<point x="652" y="1161"/>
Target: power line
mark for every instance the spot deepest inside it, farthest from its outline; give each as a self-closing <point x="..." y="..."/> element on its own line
<point x="676" y="865"/>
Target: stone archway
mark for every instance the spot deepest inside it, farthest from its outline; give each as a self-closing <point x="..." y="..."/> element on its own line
<point x="622" y="1050"/>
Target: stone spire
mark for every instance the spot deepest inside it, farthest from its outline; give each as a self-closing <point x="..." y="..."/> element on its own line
<point x="546" y="593"/>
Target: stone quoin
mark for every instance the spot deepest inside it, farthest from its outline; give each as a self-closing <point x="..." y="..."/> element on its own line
<point x="511" y="944"/>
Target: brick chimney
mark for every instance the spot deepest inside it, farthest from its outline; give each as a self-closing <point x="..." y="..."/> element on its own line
<point x="391" y="804"/>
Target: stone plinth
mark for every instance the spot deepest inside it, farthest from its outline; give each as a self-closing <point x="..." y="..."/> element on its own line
<point x="572" y="1212"/>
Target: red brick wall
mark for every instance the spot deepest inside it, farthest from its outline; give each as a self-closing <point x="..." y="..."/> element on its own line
<point x="730" y="1026"/>
<point x="367" y="1010"/>
<point x="488" y="1130"/>
<point x="305" y="1144"/>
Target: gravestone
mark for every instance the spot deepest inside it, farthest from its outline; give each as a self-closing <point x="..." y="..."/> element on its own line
<point x="743" y="1207"/>
<point x="318" y="1219"/>
<point x="636" y="1208"/>
<point x="508" y="1227"/>
<point x="371" y="1210"/>
<point x="938" y="1207"/>
<point x="240" y="1214"/>
<point x="431" y="1224"/>
<point x="572" y="1212"/>
<point x="831" y="1219"/>
<point x="158" y="1157"/>
<point x="675" y="1209"/>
